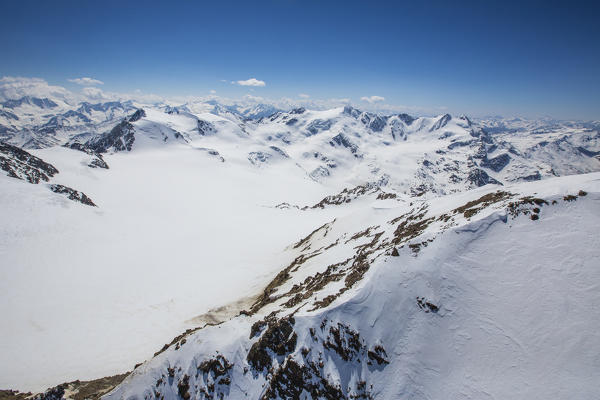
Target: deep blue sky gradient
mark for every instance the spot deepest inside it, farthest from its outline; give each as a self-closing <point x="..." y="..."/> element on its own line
<point x="515" y="58"/>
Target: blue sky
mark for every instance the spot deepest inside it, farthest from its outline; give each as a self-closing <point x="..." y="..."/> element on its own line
<point x="512" y="58"/>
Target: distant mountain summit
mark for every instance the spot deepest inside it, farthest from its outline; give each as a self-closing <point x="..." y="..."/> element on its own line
<point x="43" y="103"/>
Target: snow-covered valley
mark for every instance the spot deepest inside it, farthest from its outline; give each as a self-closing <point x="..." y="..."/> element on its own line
<point x="337" y="248"/>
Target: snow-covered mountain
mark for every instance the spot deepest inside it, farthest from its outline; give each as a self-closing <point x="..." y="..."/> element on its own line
<point x="296" y="253"/>
<point x="456" y="297"/>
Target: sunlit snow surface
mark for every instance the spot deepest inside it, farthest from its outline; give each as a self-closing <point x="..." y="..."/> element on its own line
<point x="88" y="292"/>
<point x="518" y="311"/>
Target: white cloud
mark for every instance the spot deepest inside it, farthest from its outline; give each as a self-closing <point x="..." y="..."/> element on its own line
<point x="372" y="99"/>
<point x="93" y="93"/>
<point x="16" y="87"/>
<point x="251" y="82"/>
<point x="256" y="99"/>
<point x="86" y="81"/>
<point x="213" y="91"/>
<point x="303" y="96"/>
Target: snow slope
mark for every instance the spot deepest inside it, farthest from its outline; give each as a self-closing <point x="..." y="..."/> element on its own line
<point x="90" y="291"/>
<point x="497" y="305"/>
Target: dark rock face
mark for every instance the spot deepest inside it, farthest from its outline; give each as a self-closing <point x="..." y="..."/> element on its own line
<point x="205" y="128"/>
<point x="291" y="121"/>
<point x="372" y="121"/>
<point x="120" y="138"/>
<point x="318" y="125"/>
<point x="397" y="130"/>
<point x="17" y="163"/>
<point x="216" y="377"/>
<point x="407" y="119"/>
<point x="98" y="162"/>
<point x="377" y="124"/>
<point x="344" y="341"/>
<point x="299" y="110"/>
<point x="342" y="140"/>
<point x="466" y="120"/>
<point x="496" y="164"/>
<point x="351" y="111"/>
<point x="72" y="194"/>
<point x="139" y="114"/>
<point x="279" y="339"/>
<point x="479" y="177"/>
<point x="305" y="371"/>
<point x="56" y="393"/>
<point x="440" y="123"/>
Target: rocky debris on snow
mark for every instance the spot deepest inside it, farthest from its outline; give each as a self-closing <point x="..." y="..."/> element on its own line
<point x="349" y="194"/>
<point x="206" y="128"/>
<point x="76" y="390"/>
<point x="212" y="153"/>
<point x="14" y="395"/>
<point x="72" y="194"/>
<point x="97" y="161"/>
<point x="426" y="305"/>
<point x="258" y="157"/>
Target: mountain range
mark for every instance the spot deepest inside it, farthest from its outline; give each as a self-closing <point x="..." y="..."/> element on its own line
<point x="296" y="253"/>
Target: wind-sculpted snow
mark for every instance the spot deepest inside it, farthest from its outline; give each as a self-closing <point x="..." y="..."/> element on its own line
<point x="421" y="296"/>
